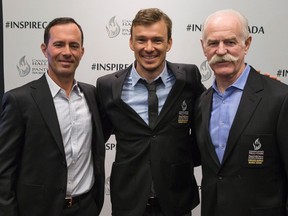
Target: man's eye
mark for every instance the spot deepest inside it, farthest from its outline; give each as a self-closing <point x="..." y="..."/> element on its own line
<point x="230" y="43"/>
<point x="75" y="46"/>
<point x="58" y="45"/>
<point x="158" y="41"/>
<point x="212" y="43"/>
<point x="140" y="40"/>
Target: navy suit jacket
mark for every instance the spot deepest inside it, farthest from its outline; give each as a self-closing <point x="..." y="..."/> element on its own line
<point x="165" y="153"/>
<point x="33" y="169"/>
<point x="252" y="178"/>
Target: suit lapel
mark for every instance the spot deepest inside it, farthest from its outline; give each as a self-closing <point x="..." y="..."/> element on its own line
<point x="91" y="101"/>
<point x="206" y="106"/>
<point x="118" y="84"/>
<point x="175" y="92"/>
<point x="116" y="92"/>
<point x="249" y="101"/>
<point x="90" y="97"/>
<point x="41" y="93"/>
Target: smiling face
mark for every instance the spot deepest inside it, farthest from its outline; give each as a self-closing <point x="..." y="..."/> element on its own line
<point x="150" y="44"/>
<point x="225" y="46"/>
<point x="63" y="51"/>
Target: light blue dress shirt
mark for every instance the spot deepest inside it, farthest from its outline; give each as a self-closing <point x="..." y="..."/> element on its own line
<point x="135" y="94"/>
<point x="224" y="108"/>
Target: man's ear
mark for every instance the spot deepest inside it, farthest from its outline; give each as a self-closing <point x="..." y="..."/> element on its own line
<point x="131" y="43"/>
<point x="203" y="46"/>
<point x="44" y="48"/>
<point x="247" y="44"/>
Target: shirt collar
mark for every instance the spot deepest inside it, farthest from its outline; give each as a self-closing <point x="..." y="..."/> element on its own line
<point x="135" y="76"/>
<point x="240" y="82"/>
<point x="55" y="89"/>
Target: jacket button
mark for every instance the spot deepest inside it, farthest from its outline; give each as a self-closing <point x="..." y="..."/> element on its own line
<point x="62" y="190"/>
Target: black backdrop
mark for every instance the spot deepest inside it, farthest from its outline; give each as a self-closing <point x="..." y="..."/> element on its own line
<point x="1" y="55"/>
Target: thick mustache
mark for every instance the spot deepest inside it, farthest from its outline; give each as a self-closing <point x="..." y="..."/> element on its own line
<point x="226" y="58"/>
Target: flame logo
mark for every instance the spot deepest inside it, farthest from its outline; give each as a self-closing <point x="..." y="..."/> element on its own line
<point x="257" y="144"/>
<point x="23" y="67"/>
<point x="113" y="29"/>
<point x="184" y="105"/>
<point x="205" y="70"/>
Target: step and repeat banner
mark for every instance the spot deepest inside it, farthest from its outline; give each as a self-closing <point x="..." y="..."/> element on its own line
<point x="106" y="25"/>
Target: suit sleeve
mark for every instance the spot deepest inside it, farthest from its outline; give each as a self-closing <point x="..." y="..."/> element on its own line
<point x="106" y="123"/>
<point x="282" y="138"/>
<point x="11" y="138"/>
<point x="198" y="89"/>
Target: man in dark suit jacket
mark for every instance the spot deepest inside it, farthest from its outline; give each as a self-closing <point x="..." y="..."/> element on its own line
<point x="51" y="139"/>
<point x="153" y="169"/>
<point x="242" y="124"/>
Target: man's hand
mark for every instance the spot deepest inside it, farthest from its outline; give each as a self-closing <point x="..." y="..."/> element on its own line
<point x="269" y="75"/>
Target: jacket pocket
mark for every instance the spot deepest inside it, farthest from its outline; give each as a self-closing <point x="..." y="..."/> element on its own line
<point x="123" y="188"/>
<point x="183" y="186"/>
<point x="30" y="199"/>
<point x="277" y="211"/>
<point x="256" y="151"/>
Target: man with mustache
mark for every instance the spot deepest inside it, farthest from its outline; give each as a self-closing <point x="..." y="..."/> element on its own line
<point x="241" y="127"/>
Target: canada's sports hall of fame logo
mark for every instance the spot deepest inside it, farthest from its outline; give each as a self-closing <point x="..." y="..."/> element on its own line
<point x="115" y="27"/>
<point x="26" y="66"/>
<point x="206" y="71"/>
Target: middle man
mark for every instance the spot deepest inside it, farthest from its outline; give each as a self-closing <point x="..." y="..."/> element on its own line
<point x="156" y="149"/>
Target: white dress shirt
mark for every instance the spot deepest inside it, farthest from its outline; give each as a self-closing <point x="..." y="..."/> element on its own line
<point x="75" y="123"/>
